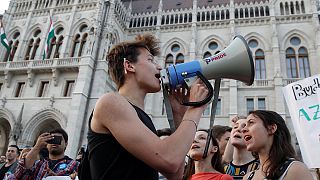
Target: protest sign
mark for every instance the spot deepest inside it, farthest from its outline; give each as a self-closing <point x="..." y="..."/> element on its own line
<point x="303" y="101"/>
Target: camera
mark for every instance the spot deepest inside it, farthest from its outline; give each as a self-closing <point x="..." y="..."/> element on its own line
<point x="55" y="140"/>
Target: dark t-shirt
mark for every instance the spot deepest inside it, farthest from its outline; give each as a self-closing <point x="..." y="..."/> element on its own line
<point x="3" y="171"/>
<point x="109" y="160"/>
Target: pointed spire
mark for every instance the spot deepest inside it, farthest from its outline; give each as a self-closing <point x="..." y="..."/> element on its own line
<point x="19" y="118"/>
<point x="130" y="6"/>
<point x="160" y="6"/>
<point x="195" y="4"/>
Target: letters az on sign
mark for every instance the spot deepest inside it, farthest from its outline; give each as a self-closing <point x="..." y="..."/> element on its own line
<point x="303" y="101"/>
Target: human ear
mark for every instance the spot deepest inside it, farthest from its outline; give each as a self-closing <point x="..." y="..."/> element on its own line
<point x="128" y="66"/>
<point x="272" y="129"/>
<point x="214" y="149"/>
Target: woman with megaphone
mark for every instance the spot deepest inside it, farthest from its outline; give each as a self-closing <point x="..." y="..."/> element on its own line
<point x="122" y="139"/>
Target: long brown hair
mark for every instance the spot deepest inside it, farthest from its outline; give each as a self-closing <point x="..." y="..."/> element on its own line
<point x="281" y="148"/>
<point x="215" y="160"/>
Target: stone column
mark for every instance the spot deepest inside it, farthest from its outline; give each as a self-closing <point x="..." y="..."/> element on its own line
<point x="67" y="40"/>
<point x="79" y="96"/>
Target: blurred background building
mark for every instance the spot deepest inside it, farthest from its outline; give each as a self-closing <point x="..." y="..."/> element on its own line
<point x="60" y="91"/>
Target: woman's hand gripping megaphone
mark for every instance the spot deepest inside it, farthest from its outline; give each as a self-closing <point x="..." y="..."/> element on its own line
<point x="195" y="93"/>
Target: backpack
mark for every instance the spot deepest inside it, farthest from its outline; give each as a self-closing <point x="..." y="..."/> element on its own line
<point x="84" y="172"/>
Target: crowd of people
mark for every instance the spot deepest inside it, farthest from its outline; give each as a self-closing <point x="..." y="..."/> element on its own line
<point x="123" y="143"/>
<point x="45" y="158"/>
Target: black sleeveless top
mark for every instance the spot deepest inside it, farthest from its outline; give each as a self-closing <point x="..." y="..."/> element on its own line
<point x="109" y="160"/>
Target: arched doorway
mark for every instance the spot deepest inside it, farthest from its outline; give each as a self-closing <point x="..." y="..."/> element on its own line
<point x="5" y="129"/>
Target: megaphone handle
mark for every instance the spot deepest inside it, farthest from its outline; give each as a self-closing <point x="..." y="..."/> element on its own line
<point x="210" y="93"/>
<point x="168" y="108"/>
<point x="217" y="83"/>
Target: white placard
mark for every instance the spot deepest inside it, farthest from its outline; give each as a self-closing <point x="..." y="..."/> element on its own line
<point x="303" y="100"/>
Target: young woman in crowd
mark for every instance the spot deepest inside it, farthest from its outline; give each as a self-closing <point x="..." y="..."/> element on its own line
<point x="122" y="139"/>
<point x="202" y="164"/>
<point x="239" y="161"/>
<point x="266" y="133"/>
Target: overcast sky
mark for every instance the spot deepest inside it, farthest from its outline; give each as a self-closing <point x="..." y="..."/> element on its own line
<point x="5" y="4"/>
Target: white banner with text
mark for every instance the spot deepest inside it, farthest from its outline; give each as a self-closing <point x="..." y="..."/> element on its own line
<point x="303" y="101"/>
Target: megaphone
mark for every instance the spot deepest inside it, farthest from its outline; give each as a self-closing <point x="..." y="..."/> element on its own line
<point x="234" y="62"/>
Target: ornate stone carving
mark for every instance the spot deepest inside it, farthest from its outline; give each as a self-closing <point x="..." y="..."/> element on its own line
<point x="7" y="78"/>
<point x="55" y="75"/>
<point x="30" y="77"/>
<point x="51" y="101"/>
<point x="4" y="101"/>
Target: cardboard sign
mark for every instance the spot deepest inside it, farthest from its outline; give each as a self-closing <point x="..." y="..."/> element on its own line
<point x="303" y="101"/>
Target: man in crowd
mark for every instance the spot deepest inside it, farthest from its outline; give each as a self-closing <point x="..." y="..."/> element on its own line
<point x="9" y="167"/>
<point x="57" y="164"/>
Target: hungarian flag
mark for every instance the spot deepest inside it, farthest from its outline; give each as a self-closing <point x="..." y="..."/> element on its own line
<point x="3" y="38"/>
<point x="49" y="37"/>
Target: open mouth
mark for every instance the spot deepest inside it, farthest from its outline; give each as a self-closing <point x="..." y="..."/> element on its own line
<point x="247" y="137"/>
<point x="157" y="76"/>
<point x="237" y="136"/>
<point x="195" y="147"/>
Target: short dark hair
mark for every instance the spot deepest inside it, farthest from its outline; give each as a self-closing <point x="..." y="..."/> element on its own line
<point x="60" y="131"/>
<point x="164" y="132"/>
<point x="218" y="131"/>
<point x="15" y="146"/>
<point x="129" y="50"/>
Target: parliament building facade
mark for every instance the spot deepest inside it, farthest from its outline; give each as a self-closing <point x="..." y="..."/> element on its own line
<point x="40" y="93"/>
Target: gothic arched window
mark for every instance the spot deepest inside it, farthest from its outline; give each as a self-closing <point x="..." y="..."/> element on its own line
<point x="55" y="44"/>
<point x="304" y="67"/>
<point x="13" y="43"/>
<point x="169" y="60"/>
<point x="79" y="41"/>
<point x="260" y="65"/>
<point x="292" y="70"/>
<point x="180" y="58"/>
<point x="211" y="49"/>
<point x="207" y="54"/>
<point x="175" y="55"/>
<point x="33" y="45"/>
<point x="297" y="60"/>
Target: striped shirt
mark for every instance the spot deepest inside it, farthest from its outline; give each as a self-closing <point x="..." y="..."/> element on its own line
<point x="239" y="171"/>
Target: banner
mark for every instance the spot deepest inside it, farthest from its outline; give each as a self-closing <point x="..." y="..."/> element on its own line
<point x="303" y="100"/>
